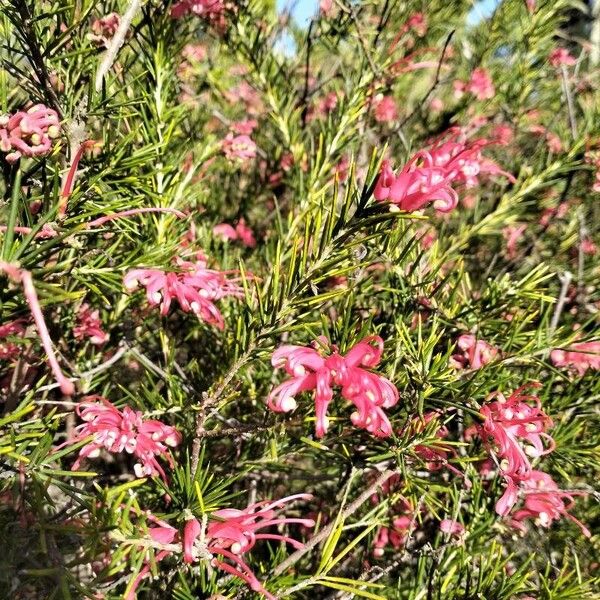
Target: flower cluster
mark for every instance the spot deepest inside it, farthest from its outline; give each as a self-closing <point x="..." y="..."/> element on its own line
<point x="580" y="357"/>
<point x="238" y="147"/>
<point x="195" y="287"/>
<point x="230" y="533"/>
<point x="430" y="174"/>
<point x="9" y="350"/>
<point x="123" y="431"/>
<point x="514" y="430"/>
<point x="201" y="8"/>
<point x="104" y="29"/>
<point x="240" y="232"/>
<point x="479" y="85"/>
<point x="89" y="326"/>
<point x="312" y="370"/>
<point x="28" y="133"/>
<point x="474" y="353"/>
<point x="545" y="502"/>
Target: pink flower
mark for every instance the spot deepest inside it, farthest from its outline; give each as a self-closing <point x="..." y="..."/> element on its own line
<point x="241" y="232"/>
<point x="588" y="247"/>
<point x="311" y="370"/>
<point x="430" y="174"/>
<point x="16" y="328"/>
<point x="545" y="502"/>
<point x="126" y="430"/>
<point x="503" y="134"/>
<point x="234" y="532"/>
<point x="89" y="325"/>
<point x="244" y="127"/>
<point x="512" y="234"/>
<point x="416" y="185"/>
<point x="385" y="109"/>
<point x="474" y="353"/>
<point x="452" y="527"/>
<point x="28" y="133"/>
<point x="531" y="8"/>
<point x="326" y="7"/>
<point x="201" y="8"/>
<point x="104" y="29"/>
<point x="561" y="57"/>
<point x="580" y="357"/>
<point x="418" y="23"/>
<point x="513" y="429"/>
<point x="195" y="288"/>
<point x="481" y="85"/>
<point x="239" y="147"/>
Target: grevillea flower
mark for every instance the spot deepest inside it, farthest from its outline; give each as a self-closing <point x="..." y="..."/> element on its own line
<point x="561" y="57"/>
<point x="580" y="357"/>
<point x="512" y="234"/>
<point x="239" y="147"/>
<point x="230" y="533"/>
<point x="430" y="174"/>
<point x="312" y="370"/>
<point x="201" y="8"/>
<point x="194" y="286"/>
<point x="240" y="232"/>
<point x="8" y="350"/>
<point x="481" y="84"/>
<point x="393" y="536"/>
<point x="104" y="29"/>
<point x="28" y="133"/>
<point x="452" y="527"/>
<point x="385" y="109"/>
<point x="545" y="502"/>
<point x="123" y="431"/>
<point x="89" y="326"/>
<point x="474" y="353"/>
<point x="416" y="185"/>
<point x="513" y="430"/>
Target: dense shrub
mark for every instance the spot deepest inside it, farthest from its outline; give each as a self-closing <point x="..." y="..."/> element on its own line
<point x="297" y="310"/>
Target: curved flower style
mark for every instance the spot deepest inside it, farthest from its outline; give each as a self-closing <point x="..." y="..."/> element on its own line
<point x="508" y="422"/>
<point x="580" y="357"/>
<point x="429" y="174"/>
<point x="474" y="353"/>
<point x="195" y="288"/>
<point x="310" y="370"/>
<point x="28" y="133"/>
<point x="126" y="430"/>
<point x="545" y="502"/>
<point x="230" y="534"/>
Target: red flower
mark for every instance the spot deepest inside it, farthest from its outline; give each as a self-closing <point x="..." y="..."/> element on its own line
<point x="545" y="502"/>
<point x="195" y="287"/>
<point x="123" y="431"/>
<point x="474" y="353"/>
<point x="311" y="370"/>
<point x="580" y="357"/>
<point x="89" y="326"/>
<point x="28" y="133"/>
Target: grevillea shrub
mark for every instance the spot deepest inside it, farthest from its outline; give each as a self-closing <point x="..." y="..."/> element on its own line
<point x="299" y="308"/>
